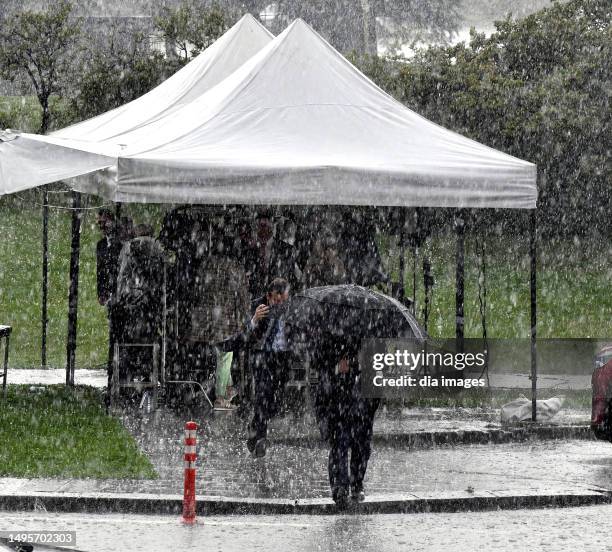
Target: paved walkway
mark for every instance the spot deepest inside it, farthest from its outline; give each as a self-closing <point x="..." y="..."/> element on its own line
<point x="294" y="473"/>
<point x="448" y="478"/>
<point x="424" y="459"/>
<point x="98" y="378"/>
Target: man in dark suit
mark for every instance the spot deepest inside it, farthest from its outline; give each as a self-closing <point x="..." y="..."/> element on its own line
<point x="107" y="268"/>
<point x="107" y="256"/>
<point x="269" y="358"/>
<point x="345" y="417"/>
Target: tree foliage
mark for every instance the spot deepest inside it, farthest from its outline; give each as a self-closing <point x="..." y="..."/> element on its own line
<point x="190" y="27"/>
<point x="126" y="66"/>
<point x="121" y="70"/>
<point x="538" y="88"/>
<point x="38" y="44"/>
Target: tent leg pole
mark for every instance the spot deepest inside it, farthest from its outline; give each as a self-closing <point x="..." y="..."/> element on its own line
<point x="402" y="259"/>
<point x="415" y="252"/>
<point x="459" y="280"/>
<point x="532" y="285"/>
<point x="73" y="293"/>
<point x="45" y="277"/>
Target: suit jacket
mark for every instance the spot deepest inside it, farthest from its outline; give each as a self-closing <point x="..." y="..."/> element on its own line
<point x="107" y="266"/>
<point x="255" y="338"/>
<point x="282" y="264"/>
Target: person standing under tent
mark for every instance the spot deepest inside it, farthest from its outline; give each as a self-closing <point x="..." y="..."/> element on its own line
<point x="138" y="304"/>
<point x="223" y="299"/>
<point x="108" y="249"/>
<point x="358" y="250"/>
<point x="324" y="266"/>
<point x="271" y="255"/>
<point x="270" y="360"/>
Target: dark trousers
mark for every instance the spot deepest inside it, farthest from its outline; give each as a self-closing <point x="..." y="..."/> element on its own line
<point x="346" y="421"/>
<point x="270" y="374"/>
<point x="111" y="347"/>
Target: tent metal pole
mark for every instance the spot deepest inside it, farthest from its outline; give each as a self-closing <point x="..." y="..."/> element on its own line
<point x="534" y="360"/>
<point x="414" y="279"/>
<point x="415" y="252"/>
<point x="459" y="280"/>
<point x="402" y="259"/>
<point x="73" y="292"/>
<point x="45" y="277"/>
<point x="427" y="285"/>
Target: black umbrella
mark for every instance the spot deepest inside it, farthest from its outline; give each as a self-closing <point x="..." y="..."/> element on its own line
<point x="348" y="312"/>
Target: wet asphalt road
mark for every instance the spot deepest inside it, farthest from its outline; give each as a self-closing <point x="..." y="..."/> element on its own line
<point x="573" y="529"/>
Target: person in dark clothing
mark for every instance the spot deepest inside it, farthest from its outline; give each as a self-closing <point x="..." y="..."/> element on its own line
<point x="268" y="255"/>
<point x="107" y="256"/>
<point x="140" y="285"/>
<point x="137" y="305"/>
<point x="270" y="360"/>
<point x="107" y="267"/>
<point x="345" y="420"/>
<point x="359" y="251"/>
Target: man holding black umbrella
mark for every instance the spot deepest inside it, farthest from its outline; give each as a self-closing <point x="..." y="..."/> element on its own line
<point x="331" y="322"/>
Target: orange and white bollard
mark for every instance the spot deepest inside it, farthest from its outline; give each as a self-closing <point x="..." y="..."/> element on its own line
<point x="189" y="495"/>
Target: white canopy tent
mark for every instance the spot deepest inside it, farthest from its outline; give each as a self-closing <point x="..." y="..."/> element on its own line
<point x="295" y="124"/>
<point x="298" y="124"/>
<point x="29" y="160"/>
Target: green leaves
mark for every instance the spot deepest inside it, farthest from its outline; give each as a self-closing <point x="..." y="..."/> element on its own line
<point x="37" y="44"/>
<point x="191" y="27"/>
<point x="538" y="88"/>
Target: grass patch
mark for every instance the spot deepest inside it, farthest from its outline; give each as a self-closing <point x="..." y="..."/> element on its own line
<point x="21" y="284"/>
<point x="58" y="432"/>
<point x="573" y="286"/>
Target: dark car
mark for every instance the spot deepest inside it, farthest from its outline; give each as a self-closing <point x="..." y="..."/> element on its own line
<point x="601" y="382"/>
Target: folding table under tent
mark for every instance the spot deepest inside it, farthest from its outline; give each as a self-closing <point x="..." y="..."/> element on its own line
<point x="297" y="124"/>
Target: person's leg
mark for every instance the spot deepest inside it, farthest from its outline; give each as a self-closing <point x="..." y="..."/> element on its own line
<point x="362" y="417"/>
<point x="340" y="439"/>
<point x="111" y="350"/>
<point x="278" y="365"/>
<point x="338" y="460"/>
<point x="258" y="427"/>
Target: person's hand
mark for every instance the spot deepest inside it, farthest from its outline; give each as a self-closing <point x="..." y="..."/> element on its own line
<point x="260" y="312"/>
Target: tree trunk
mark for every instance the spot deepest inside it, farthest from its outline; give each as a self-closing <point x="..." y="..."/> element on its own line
<point x="46" y="116"/>
<point x="369" y="28"/>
